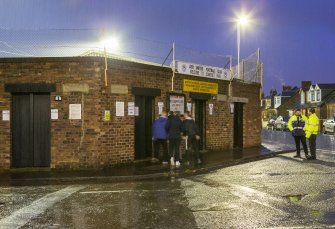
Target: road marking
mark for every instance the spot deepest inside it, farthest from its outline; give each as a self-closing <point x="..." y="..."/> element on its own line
<point x="122" y="191"/>
<point x="298" y="227"/>
<point x="22" y="216"/>
<point x="256" y="196"/>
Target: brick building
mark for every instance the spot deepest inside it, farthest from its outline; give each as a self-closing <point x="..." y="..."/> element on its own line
<point x="74" y="113"/>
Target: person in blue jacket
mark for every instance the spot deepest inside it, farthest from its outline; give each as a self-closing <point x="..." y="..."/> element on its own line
<point x="159" y="136"/>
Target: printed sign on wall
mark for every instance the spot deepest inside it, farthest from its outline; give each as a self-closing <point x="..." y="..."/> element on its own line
<point x="203" y="70"/>
<point x="200" y="87"/>
<point x="119" y="111"/>
<point x="54" y="114"/>
<point x="177" y="103"/>
<point x="5" y="115"/>
<point x="107" y="115"/>
<point x="131" y="108"/>
<point x="75" y="111"/>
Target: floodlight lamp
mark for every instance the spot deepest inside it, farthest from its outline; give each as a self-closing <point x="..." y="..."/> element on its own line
<point x="243" y="20"/>
<point x="111" y="44"/>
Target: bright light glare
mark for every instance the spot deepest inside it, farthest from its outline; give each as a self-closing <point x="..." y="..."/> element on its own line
<point x="243" y="20"/>
<point x="111" y="44"/>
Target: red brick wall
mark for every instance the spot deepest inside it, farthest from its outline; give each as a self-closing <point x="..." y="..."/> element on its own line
<point x="93" y="142"/>
<point x="252" y="123"/>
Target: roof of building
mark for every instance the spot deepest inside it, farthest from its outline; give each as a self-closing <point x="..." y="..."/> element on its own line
<point x="330" y="97"/>
<point x="289" y="93"/>
<point x="118" y="57"/>
<point x="328" y="86"/>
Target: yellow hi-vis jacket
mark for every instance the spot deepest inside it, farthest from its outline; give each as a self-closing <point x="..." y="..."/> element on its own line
<point x="312" y="125"/>
<point x="297" y="125"/>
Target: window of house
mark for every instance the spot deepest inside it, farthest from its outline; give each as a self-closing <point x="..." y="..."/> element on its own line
<point x="302" y="98"/>
<point x="277" y="101"/>
<point x="309" y="96"/>
<point x="318" y="95"/>
<point x="312" y="96"/>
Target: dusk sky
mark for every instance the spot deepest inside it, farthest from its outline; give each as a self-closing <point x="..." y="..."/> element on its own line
<point x="296" y="37"/>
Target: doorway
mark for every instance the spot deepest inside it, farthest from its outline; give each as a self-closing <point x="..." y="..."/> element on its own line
<point x="30" y="130"/>
<point x="238" y="125"/>
<point x="143" y="126"/>
<point x="145" y="101"/>
<point x="199" y="114"/>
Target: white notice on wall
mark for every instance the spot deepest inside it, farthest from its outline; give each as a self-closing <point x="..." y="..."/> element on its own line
<point x="5" y="115"/>
<point x="136" y="111"/>
<point x="54" y="114"/>
<point x="131" y="108"/>
<point x="160" y="107"/>
<point x="75" y="111"/>
<point x="210" y="108"/>
<point x="119" y="111"/>
<point x="189" y="107"/>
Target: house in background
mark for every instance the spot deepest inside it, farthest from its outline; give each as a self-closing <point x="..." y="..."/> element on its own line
<point x="268" y="111"/>
<point x="287" y="101"/>
<point x="287" y="93"/>
<point x="321" y="97"/>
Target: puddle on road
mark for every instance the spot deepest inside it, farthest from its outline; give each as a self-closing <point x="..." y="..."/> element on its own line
<point x="277" y="174"/>
<point x="295" y="198"/>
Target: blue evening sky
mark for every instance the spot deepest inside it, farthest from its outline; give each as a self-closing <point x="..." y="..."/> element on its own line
<point x="296" y="37"/>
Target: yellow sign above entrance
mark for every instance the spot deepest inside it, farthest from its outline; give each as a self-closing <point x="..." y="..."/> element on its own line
<point x="201" y="87"/>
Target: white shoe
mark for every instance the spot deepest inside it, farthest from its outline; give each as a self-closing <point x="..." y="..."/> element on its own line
<point x="177" y="164"/>
<point x="165" y="163"/>
<point x="172" y="161"/>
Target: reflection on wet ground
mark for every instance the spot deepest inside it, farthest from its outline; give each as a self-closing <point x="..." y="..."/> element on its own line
<point x="272" y="193"/>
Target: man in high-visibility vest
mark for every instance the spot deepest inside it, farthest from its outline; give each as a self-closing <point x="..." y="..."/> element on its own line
<point x="297" y="124"/>
<point x="312" y="130"/>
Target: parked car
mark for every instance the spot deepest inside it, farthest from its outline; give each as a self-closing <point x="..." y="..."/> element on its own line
<point x="329" y="126"/>
<point x="281" y="123"/>
<point x="271" y="124"/>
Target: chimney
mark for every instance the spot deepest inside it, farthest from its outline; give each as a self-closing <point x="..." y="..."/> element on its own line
<point x="287" y="88"/>
<point x="306" y="84"/>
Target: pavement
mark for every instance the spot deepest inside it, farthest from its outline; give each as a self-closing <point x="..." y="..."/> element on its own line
<point x="137" y="171"/>
<point x="273" y="143"/>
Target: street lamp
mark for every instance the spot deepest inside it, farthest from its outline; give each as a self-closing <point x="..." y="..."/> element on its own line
<point x="241" y="21"/>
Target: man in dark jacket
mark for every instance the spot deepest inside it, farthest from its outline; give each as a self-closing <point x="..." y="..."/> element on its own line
<point x="297" y="125"/>
<point x="159" y="136"/>
<point x="174" y="129"/>
<point x="192" y="136"/>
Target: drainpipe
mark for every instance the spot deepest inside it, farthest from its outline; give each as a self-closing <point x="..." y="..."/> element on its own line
<point x="231" y="76"/>
<point x="260" y="73"/>
<point x="173" y="68"/>
<point x="105" y="53"/>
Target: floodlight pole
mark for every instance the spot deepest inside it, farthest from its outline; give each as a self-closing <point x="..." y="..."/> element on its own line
<point x="238" y="48"/>
<point x="173" y="67"/>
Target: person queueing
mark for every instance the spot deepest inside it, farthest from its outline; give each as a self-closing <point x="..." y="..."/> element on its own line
<point x="312" y="130"/>
<point x="174" y="129"/>
<point x="297" y="124"/>
<point x="159" y="136"/>
<point x="192" y="136"/>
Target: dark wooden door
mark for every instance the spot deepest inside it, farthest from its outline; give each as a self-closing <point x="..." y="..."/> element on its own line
<point x="41" y="129"/>
<point x="200" y="120"/>
<point x="143" y="126"/>
<point x="238" y="125"/>
<point x="30" y="130"/>
<point x="22" y="144"/>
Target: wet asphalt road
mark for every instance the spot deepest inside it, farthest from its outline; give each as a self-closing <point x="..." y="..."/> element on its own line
<point x="283" y="140"/>
<point x="279" y="192"/>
